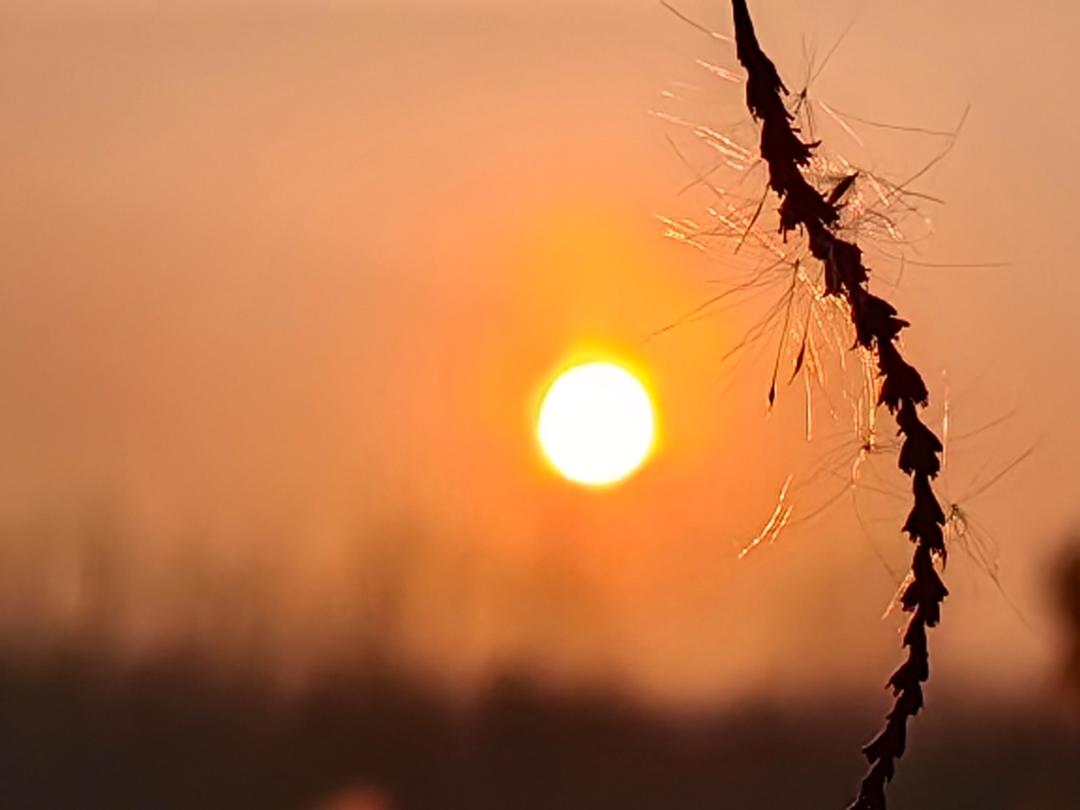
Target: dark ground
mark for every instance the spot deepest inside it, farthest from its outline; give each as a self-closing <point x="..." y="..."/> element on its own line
<point x="174" y="735"/>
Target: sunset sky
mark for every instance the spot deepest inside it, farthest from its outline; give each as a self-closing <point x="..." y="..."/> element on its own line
<point x="283" y="283"/>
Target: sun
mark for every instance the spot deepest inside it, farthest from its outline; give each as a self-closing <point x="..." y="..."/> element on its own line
<point x="596" y="423"/>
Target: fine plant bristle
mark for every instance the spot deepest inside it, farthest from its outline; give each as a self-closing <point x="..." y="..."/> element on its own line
<point x="808" y="260"/>
<point x="825" y="218"/>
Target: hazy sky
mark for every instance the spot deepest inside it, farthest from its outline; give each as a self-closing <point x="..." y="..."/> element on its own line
<point x="291" y="281"/>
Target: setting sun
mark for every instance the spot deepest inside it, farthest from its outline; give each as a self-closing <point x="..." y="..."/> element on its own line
<point x="596" y="424"/>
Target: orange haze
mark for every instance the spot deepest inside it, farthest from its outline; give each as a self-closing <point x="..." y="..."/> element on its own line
<point x="281" y="285"/>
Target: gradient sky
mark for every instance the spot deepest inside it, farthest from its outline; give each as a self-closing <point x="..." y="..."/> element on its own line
<point x="288" y="281"/>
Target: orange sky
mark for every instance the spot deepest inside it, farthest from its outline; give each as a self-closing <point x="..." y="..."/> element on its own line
<point x="283" y="284"/>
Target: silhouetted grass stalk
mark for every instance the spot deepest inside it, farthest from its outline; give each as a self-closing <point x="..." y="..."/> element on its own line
<point x="901" y="387"/>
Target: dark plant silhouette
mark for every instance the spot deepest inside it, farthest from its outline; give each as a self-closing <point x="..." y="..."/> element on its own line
<point x="815" y="213"/>
<point x="1068" y="599"/>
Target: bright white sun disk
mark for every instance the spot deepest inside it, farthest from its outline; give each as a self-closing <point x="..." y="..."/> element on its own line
<point x="596" y="423"/>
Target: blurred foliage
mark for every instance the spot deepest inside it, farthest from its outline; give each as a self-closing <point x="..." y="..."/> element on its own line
<point x="1068" y="603"/>
<point x="177" y="733"/>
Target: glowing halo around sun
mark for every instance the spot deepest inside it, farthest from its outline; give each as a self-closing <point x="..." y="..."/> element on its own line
<point x="596" y="423"/>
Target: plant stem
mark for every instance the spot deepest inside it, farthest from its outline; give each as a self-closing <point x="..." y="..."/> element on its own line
<point x="902" y="390"/>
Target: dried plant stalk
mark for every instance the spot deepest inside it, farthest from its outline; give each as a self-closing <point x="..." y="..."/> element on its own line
<point x="901" y="388"/>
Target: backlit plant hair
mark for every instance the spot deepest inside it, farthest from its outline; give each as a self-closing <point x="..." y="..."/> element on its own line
<point x="816" y="214"/>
